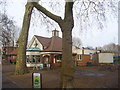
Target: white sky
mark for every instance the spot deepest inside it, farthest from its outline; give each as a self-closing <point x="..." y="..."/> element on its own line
<point x="92" y="37"/>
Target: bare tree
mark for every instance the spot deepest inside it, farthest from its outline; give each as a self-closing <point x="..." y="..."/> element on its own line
<point x="76" y="42"/>
<point x="66" y="24"/>
<point x="8" y="31"/>
<point x="112" y="47"/>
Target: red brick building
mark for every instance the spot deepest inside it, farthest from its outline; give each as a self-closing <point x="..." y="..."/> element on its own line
<point x="83" y="56"/>
<point x="6" y="53"/>
<point x="47" y="50"/>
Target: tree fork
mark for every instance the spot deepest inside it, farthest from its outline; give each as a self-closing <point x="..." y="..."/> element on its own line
<point x="21" y="67"/>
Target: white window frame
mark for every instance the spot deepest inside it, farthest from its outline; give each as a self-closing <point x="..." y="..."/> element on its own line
<point x="58" y="58"/>
<point x="79" y="57"/>
<point x="91" y="56"/>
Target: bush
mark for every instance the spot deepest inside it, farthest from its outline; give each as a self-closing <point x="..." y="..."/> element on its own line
<point x="89" y="64"/>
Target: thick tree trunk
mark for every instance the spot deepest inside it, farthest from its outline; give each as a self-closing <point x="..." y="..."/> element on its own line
<point x="22" y="42"/>
<point x="67" y="71"/>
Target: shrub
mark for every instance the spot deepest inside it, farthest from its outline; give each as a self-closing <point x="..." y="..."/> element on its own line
<point x="89" y="64"/>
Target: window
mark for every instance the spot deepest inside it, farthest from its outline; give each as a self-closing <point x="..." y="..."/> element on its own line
<point x="14" y="57"/>
<point x="58" y="58"/>
<point x="27" y="58"/>
<point x="36" y="58"/>
<point x="33" y="58"/>
<point x="91" y="56"/>
<point x="79" y="57"/>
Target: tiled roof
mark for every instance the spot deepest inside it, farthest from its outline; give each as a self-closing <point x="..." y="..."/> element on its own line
<point x="9" y="49"/>
<point x="43" y="40"/>
<point x="52" y="44"/>
<point x="14" y="52"/>
<point x="55" y="44"/>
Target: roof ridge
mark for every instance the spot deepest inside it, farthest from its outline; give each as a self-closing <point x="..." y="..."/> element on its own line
<point x="41" y="36"/>
<point x="43" y="40"/>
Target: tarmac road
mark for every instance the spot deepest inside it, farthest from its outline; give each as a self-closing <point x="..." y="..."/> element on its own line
<point x="85" y="77"/>
<point x="6" y="82"/>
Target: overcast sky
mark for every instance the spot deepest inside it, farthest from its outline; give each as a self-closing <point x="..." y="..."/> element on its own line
<point x="92" y="37"/>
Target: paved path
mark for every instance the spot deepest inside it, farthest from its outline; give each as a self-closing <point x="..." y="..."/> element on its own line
<point x="6" y="82"/>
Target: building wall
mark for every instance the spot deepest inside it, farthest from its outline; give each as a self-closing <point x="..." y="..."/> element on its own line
<point x="8" y="56"/>
<point x="85" y="59"/>
<point x="76" y="50"/>
<point x="33" y="42"/>
<point x="86" y="51"/>
<point x="8" y="49"/>
<point x="57" y="64"/>
<point x="82" y="51"/>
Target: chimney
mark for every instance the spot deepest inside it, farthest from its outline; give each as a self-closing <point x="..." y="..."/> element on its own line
<point x="83" y="50"/>
<point x="55" y="33"/>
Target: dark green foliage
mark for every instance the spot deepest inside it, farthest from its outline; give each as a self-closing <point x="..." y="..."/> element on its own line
<point x="89" y="64"/>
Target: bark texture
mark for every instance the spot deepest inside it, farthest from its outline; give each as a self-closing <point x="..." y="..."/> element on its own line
<point x="67" y="71"/>
<point x="22" y="42"/>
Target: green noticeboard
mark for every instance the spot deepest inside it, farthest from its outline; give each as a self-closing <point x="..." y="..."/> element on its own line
<point x="37" y="80"/>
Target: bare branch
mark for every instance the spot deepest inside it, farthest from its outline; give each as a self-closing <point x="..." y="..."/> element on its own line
<point x="39" y="19"/>
<point x="7" y="30"/>
<point x="47" y="13"/>
<point x="92" y="12"/>
<point x="76" y="42"/>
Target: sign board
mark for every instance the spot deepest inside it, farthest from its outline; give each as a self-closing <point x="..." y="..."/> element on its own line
<point x="37" y="80"/>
